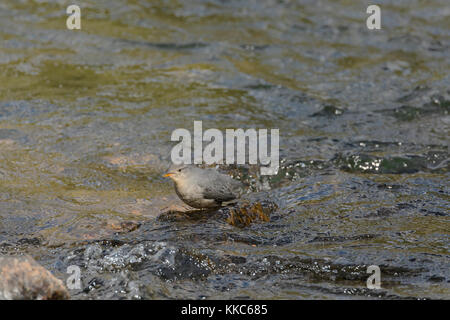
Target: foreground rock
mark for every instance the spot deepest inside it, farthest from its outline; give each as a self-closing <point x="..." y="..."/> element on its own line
<point x="22" y="278"/>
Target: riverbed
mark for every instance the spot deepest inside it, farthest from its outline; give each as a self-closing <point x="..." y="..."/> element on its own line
<point x="86" y="118"/>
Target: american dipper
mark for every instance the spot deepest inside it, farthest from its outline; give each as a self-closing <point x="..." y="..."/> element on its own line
<point x="203" y="188"/>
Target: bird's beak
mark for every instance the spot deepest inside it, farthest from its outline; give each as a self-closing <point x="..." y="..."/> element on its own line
<point x="168" y="174"/>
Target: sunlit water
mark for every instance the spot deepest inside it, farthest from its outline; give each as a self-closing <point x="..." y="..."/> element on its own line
<point x="85" y="124"/>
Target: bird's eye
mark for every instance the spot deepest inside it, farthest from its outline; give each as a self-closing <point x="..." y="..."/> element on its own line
<point x="179" y="170"/>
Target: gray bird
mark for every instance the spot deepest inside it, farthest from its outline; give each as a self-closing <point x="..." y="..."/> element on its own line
<point x="203" y="188"/>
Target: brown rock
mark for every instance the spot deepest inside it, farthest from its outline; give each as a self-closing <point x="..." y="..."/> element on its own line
<point x="22" y="278"/>
<point x="246" y="214"/>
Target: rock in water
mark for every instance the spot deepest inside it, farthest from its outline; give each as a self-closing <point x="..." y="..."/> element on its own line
<point x="22" y="278"/>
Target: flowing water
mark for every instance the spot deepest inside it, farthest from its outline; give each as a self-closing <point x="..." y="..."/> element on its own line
<point x="85" y="123"/>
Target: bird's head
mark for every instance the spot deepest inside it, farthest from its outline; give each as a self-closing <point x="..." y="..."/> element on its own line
<point x="178" y="172"/>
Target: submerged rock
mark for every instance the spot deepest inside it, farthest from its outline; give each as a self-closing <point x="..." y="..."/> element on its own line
<point x="244" y="215"/>
<point x="22" y="278"/>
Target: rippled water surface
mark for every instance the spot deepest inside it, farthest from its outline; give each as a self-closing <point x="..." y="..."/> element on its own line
<point x="85" y="124"/>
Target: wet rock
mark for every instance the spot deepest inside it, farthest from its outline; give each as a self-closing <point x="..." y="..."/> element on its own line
<point x="436" y="278"/>
<point x="241" y="214"/>
<point x="99" y="152"/>
<point x="29" y="241"/>
<point x="421" y="103"/>
<point x="244" y="215"/>
<point x="182" y="214"/>
<point x="23" y="278"/>
<point x="385" y="186"/>
<point x="235" y="259"/>
<point x="435" y="213"/>
<point x="249" y="175"/>
<point x="407" y="113"/>
<point x="187" y="265"/>
<point x="124" y="257"/>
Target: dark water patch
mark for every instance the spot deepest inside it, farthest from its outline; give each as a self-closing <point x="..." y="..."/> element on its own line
<point x="292" y="170"/>
<point x="161" y="259"/>
<point x="317" y="269"/>
<point x="328" y="111"/>
<point x="421" y="102"/>
<point x="406" y="113"/>
<point x="167" y="262"/>
<point x="435" y="213"/>
<point x="436" y="278"/>
<point x="260" y="86"/>
<point x="240" y="214"/>
<point x="409" y="113"/>
<point x="163" y="46"/>
<point x="343" y="238"/>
